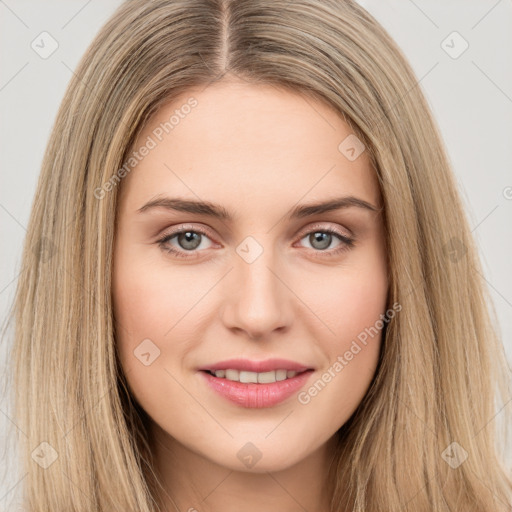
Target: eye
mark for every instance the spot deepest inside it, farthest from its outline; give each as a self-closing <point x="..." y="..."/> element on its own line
<point x="320" y="238"/>
<point x="188" y="241"/>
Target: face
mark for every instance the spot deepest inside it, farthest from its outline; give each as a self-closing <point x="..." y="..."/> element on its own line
<point x="252" y="284"/>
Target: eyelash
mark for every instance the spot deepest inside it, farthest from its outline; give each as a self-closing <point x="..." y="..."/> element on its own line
<point x="347" y="243"/>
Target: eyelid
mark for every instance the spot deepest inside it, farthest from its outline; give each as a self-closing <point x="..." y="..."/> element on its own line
<point x="190" y="227"/>
<point x="322" y="226"/>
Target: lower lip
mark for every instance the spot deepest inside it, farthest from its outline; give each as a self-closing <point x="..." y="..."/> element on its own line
<point x="257" y="395"/>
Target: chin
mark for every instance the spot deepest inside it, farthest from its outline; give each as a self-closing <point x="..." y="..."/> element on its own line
<point x="260" y="456"/>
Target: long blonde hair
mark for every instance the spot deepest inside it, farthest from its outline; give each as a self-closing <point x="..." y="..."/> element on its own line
<point x="442" y="368"/>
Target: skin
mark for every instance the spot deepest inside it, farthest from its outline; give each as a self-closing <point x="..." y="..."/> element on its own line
<point x="258" y="151"/>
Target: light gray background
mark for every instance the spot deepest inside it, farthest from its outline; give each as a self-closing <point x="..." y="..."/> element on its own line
<point x="471" y="97"/>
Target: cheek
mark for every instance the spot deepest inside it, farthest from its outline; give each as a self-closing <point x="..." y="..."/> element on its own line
<point x="351" y="298"/>
<point x="351" y="303"/>
<point x="142" y="310"/>
<point x="145" y="310"/>
<point x="360" y="302"/>
<point x="149" y="299"/>
<point x="140" y="305"/>
<point x="155" y="331"/>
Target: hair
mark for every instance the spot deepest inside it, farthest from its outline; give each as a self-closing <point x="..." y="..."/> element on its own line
<point x="442" y="368"/>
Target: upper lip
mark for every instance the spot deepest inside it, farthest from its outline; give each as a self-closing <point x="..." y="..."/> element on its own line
<point x="257" y="366"/>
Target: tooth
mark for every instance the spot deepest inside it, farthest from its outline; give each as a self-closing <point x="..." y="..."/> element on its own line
<point x="267" y="377"/>
<point x="254" y="377"/>
<point x="248" y="377"/>
<point x="233" y="375"/>
<point x="280" y="375"/>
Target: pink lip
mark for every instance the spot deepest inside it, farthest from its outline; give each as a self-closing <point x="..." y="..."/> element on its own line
<point x="256" y="366"/>
<point x="256" y="395"/>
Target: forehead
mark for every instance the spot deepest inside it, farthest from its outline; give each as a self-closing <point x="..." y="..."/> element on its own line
<point x="239" y="143"/>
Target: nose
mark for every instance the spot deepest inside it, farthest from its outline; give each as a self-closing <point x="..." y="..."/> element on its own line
<point x="257" y="300"/>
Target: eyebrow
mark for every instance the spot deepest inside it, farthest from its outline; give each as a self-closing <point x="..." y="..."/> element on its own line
<point x="219" y="212"/>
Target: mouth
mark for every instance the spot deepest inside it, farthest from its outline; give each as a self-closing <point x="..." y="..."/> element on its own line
<point x="250" y="389"/>
<point x="247" y="377"/>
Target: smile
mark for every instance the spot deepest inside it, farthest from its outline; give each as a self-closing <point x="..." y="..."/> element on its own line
<point x="254" y="377"/>
<point x="256" y="390"/>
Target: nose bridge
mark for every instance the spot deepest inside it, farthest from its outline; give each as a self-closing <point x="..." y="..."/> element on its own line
<point x="257" y="301"/>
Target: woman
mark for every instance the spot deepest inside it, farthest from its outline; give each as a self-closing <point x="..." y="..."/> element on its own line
<point x="254" y="285"/>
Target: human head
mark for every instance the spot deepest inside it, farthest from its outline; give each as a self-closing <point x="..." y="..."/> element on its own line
<point x="252" y="289"/>
<point x="336" y="53"/>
